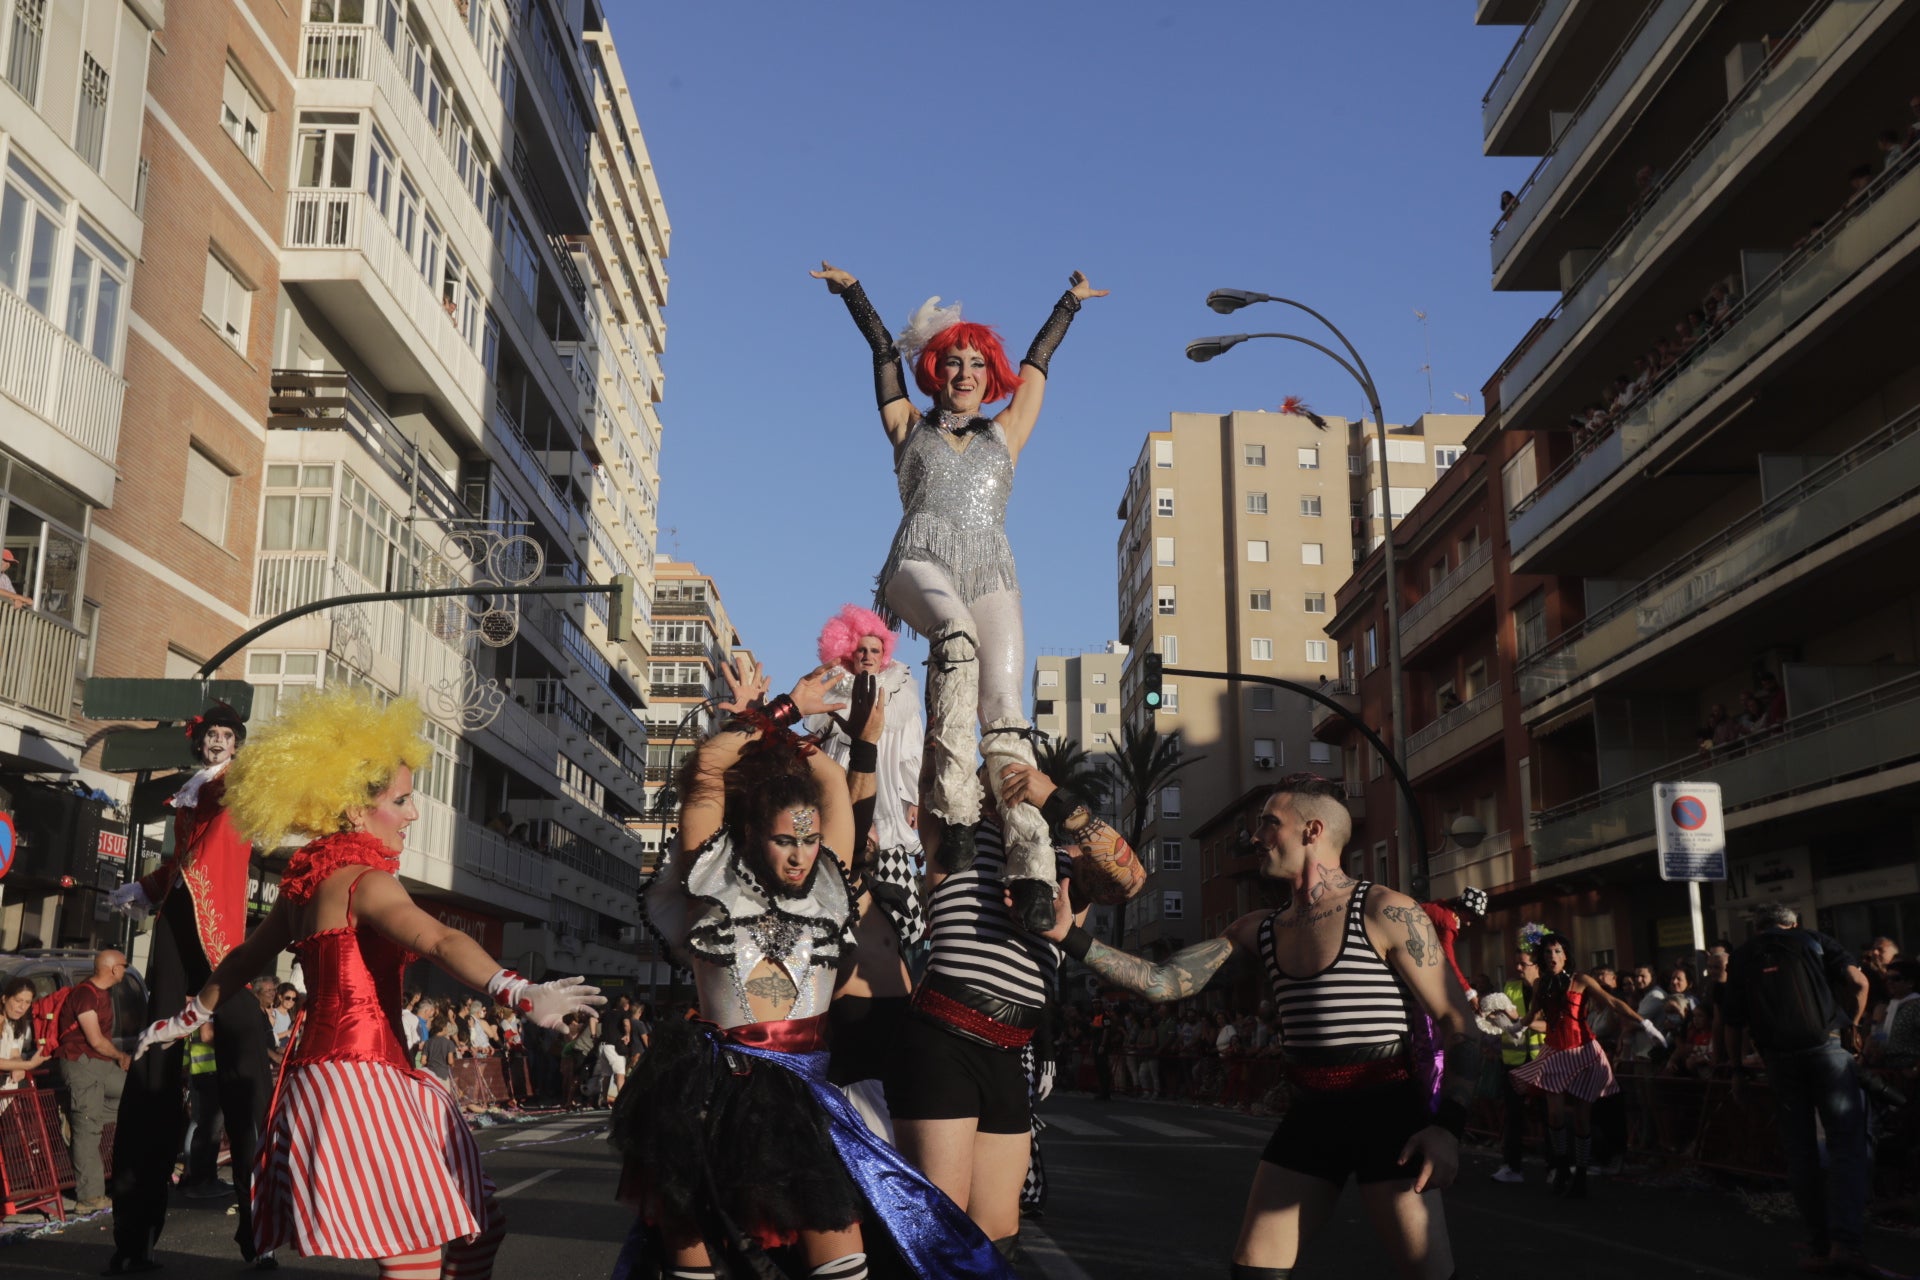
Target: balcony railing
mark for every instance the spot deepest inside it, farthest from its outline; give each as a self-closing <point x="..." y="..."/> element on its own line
<point x="1879" y="473"/>
<point x="1806" y="52"/>
<point x="1448" y="594"/>
<point x="307" y="400"/>
<point x="39" y="658"/>
<point x="660" y="690"/>
<point x="668" y="608"/>
<point x="1851" y="243"/>
<point x="442" y="841"/>
<point x="53" y="377"/>
<point x="1855" y="736"/>
<point x="1507" y="80"/>
<point x="681" y="649"/>
<point x="1436" y="729"/>
<point x="507" y="432"/>
<point x="1656" y="26"/>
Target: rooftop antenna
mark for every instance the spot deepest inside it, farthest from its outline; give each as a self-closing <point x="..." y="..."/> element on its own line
<point x="1426" y="342"/>
<point x="1463" y="398"/>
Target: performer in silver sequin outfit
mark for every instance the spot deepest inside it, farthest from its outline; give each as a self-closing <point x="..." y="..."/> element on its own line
<point x="950" y="573"/>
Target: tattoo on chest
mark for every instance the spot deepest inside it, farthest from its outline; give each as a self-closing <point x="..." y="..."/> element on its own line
<point x="772" y="986"/>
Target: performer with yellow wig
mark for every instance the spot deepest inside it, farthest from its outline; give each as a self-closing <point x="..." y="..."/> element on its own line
<point x="363" y="1157"/>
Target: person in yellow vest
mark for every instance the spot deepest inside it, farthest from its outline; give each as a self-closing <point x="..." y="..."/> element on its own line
<point x="1506" y="1014"/>
<point x="203" y="1109"/>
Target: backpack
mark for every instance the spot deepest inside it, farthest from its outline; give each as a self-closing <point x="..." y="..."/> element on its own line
<point x="45" y="1017"/>
<point x="1790" y="1001"/>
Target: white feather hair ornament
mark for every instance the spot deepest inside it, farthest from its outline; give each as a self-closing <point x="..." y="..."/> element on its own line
<point x="929" y="320"/>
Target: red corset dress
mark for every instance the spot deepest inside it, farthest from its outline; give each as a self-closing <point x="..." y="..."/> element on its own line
<point x="364" y="1156"/>
<point x="1574" y="1063"/>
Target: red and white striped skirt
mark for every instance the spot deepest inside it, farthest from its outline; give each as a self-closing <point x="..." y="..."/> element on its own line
<point x="1581" y="1073"/>
<point x="365" y="1160"/>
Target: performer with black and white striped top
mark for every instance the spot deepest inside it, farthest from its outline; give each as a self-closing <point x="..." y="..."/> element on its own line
<point x="1353" y="966"/>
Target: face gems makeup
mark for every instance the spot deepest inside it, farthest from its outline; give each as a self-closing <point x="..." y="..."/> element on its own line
<point x="803" y="821"/>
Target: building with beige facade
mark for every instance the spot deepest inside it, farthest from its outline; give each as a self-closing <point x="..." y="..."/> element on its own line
<point x="1416" y="455"/>
<point x="1077" y="696"/>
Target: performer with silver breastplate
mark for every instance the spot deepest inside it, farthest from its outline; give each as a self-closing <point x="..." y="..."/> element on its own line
<point x="950" y="573"/>
<point x="736" y="1144"/>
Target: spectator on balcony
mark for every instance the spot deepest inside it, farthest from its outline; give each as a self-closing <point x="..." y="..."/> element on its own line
<point x="1507" y="201"/>
<point x="1891" y="145"/>
<point x="1720" y="729"/>
<point x="501" y="823"/>
<point x="1858" y="182"/>
<point x="7" y="591"/>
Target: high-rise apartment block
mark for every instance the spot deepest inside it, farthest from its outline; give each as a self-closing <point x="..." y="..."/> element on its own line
<point x="1077" y="696"/>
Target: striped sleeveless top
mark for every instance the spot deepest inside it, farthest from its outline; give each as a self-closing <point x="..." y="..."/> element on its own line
<point x="1354" y="1008"/>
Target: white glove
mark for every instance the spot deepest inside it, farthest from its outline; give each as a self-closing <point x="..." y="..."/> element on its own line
<point x="131" y="900"/>
<point x="1646" y="1025"/>
<point x="547" y="1003"/>
<point x="178" y="1027"/>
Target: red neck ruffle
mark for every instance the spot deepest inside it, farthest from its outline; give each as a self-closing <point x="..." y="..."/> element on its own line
<point x="328" y="854"/>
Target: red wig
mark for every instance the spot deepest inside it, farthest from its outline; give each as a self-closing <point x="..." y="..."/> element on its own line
<point x="1002" y="381"/>
<point x="846" y="629"/>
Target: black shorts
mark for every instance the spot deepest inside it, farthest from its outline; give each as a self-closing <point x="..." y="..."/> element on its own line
<point x="938" y="1075"/>
<point x="1354" y="1133"/>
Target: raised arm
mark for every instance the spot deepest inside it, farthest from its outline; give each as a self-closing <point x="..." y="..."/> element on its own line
<point x="1018" y="418"/>
<point x="1184" y="973"/>
<point x="1412" y="951"/>
<point x="897" y="413"/>
<point x="242" y="965"/>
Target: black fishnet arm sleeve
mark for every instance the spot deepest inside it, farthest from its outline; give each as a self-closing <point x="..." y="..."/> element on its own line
<point x="889" y="376"/>
<point x="1051" y="332"/>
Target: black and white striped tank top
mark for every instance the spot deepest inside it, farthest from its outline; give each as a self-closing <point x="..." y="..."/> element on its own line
<point x="1355" y="1003"/>
<point x="974" y="938"/>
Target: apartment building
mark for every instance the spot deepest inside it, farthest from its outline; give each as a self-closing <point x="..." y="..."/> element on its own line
<point x="1416" y="455"/>
<point x="1077" y="696"/>
<point x="72" y="245"/>
<point x="1233" y="542"/>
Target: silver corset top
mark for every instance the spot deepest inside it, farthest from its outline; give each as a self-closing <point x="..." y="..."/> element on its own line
<point x="966" y="488"/>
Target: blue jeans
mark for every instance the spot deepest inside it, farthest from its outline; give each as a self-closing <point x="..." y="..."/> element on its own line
<point x="1821" y="1080"/>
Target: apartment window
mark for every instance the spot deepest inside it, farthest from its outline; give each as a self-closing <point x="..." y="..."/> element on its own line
<point x="279" y="678"/>
<point x="1349" y="671"/>
<point x="1101" y="739"/>
<point x="1163" y="502"/>
<point x="1256" y="550"/>
<point x="1356" y="464"/>
<point x="23" y="50"/>
<point x="1170" y="800"/>
<point x="1266" y="755"/>
<point x="1313" y="553"/>
<point x="1315" y="602"/>
<point x="1445" y="456"/>
<point x="1375" y="766"/>
<point x="1169" y="697"/>
<point x="1099" y="677"/>
<point x="1380" y="863"/>
<point x="1260" y="601"/>
<point x="1163" y="454"/>
<point x="1260" y="699"/>
<point x="1169" y="651"/>
<point x="1260" y="649"/>
<point x="1256" y="504"/>
<point x="96" y="284"/>
<point x="1163" y="551"/>
<point x="241" y="115"/>
<point x="90" y="125"/>
<point x="1049" y="680"/>
<point x="1530" y="625"/>
<point x="1357" y="510"/>
<point x="31" y="215"/>
<point x="1372" y="641"/>
<point x="1172" y="904"/>
<point x="406" y="215"/>
<point x="225" y="302"/>
<point x="1100" y="708"/>
<point x="1309" y="504"/>
<point x="298" y="508"/>
<point x="209" y="493"/>
<point x="1309" y="456"/>
<point x="431" y="239"/>
<point x="1319" y="753"/>
<point x="324" y="150"/>
<point x="1172" y="856"/>
<point x="1316" y="651"/>
<point x="380" y="171"/>
<point x="1163" y="601"/>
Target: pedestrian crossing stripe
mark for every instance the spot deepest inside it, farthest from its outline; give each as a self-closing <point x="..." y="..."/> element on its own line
<point x="1161" y="1127"/>
<point x="1079" y="1128"/>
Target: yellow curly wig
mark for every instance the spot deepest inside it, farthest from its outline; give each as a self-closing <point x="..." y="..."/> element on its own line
<point x="328" y="754"/>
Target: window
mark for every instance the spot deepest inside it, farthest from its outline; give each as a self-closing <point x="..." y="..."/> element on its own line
<point x="1316" y="651"/>
<point x="209" y="492"/>
<point x="1163" y="551"/>
<point x="1169" y="697"/>
<point x="279" y="678"/>
<point x="90" y="124"/>
<point x="1313" y="553"/>
<point x="23" y="50"/>
<point x="1172" y="904"/>
<point x="1309" y="456"/>
<point x="1375" y="766"/>
<point x="1163" y="601"/>
<point x="1372" y="639"/>
<point x="1265" y="754"/>
<point x="1356" y="464"/>
<point x="1380" y="861"/>
<point x="1256" y="504"/>
<point x="1356" y="509"/>
<point x="1315" y="602"/>
<point x="324" y="150"/>
<point x="96" y="283"/>
<point x="1100" y="708"/>
<point x="225" y="302"/>
<point x="1319" y="753"/>
<point x="1444" y="456"/>
<point x="428" y="258"/>
<point x="1349" y="671"/>
<point x="406" y="215"/>
<point x="1260" y="649"/>
<point x="1172" y="856"/>
<point x="1163" y="502"/>
<point x="1049" y="680"/>
<point x="1309" y="504"/>
<point x="1101" y="739"/>
<point x="1260" y="699"/>
<point x="31" y="214"/>
<point x="1170" y="800"/>
<point x="1260" y="601"/>
<point x="1163" y="454"/>
<point x="298" y="508"/>
<point x="1256" y="550"/>
<point x="1530" y="625"/>
<point x="1099" y="677"/>
<point x="1169" y="651"/>
<point x="241" y="115"/>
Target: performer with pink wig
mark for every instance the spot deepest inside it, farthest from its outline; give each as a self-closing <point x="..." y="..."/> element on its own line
<point x="950" y="573"/>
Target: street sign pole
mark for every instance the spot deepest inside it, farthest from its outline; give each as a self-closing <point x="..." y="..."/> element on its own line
<point x="1691" y="839"/>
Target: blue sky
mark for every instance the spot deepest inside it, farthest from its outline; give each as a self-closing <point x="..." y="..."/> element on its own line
<point x="1327" y="151"/>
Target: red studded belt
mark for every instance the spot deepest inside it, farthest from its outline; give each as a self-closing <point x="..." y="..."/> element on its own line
<point x="1353" y="1075"/>
<point x="970" y="1022"/>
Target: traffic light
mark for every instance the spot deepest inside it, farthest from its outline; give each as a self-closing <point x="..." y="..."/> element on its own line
<point x="1150" y="681"/>
<point x="620" y="609"/>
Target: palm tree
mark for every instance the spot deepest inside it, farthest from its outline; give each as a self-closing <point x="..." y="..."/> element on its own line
<point x="1145" y="764"/>
<point x="1068" y="765"/>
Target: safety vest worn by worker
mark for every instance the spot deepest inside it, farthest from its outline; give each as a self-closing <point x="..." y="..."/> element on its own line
<point x="1518" y="1056"/>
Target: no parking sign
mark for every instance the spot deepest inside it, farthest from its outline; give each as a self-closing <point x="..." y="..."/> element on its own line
<point x="9" y="841"/>
<point x="1692" y="835"/>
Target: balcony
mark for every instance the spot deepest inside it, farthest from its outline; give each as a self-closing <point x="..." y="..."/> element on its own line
<point x="372" y="637"/>
<point x="39" y="660"/>
<point x="660" y="690"/>
<point x="1732" y="570"/>
<point x="355" y="270"/>
<point x="1473" y="723"/>
<point x="1779" y="312"/>
<point x="525" y="460"/>
<point x="523" y="738"/>
<point x="453" y="854"/>
<point x="1342" y="693"/>
<point x="308" y="400"/>
<point x="1488" y="864"/>
<point x="665" y="607"/>
<point x="1852" y="738"/>
<point x="585" y="822"/>
<point x="1430" y="615"/>
<point x="1727" y="147"/>
<point x="1502" y="13"/>
<point x="683" y="649"/>
<point x="60" y="382"/>
<point x="1563" y="46"/>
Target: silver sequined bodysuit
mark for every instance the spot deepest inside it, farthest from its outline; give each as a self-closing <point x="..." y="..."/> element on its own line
<point x="953" y="511"/>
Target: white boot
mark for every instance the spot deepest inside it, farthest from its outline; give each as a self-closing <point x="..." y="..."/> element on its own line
<point x="1030" y="858"/>
<point x="953" y="708"/>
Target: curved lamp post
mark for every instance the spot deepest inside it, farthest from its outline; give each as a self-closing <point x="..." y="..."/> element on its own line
<point x="1201" y="350"/>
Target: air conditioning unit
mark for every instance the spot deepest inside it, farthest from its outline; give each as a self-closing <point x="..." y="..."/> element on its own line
<point x="1263" y="762"/>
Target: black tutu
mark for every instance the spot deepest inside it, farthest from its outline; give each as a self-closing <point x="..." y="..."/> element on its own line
<point x="719" y="1144"/>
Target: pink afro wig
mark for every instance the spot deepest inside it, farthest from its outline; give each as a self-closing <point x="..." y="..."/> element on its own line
<point x="844" y="631"/>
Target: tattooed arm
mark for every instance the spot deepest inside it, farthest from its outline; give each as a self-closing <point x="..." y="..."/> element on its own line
<point x="1182" y="975"/>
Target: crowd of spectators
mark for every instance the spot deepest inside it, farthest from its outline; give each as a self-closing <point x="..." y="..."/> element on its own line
<point x="1761" y="710"/>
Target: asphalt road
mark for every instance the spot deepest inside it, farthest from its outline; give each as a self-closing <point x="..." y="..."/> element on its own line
<point x="1138" y="1191"/>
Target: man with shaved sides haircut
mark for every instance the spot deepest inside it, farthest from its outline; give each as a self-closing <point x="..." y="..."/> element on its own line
<point x="1353" y="966"/>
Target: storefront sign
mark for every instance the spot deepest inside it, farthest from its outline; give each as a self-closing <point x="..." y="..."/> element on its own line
<point x="483" y="929"/>
<point x="1869" y="886"/>
<point x="113" y="844"/>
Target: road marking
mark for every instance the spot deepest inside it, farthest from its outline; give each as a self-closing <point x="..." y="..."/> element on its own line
<point x="1078" y="1127"/>
<point x="1667" y="1260"/>
<point x="1048" y="1256"/>
<point x="1161" y="1127"/>
<point x="524" y="1183"/>
<point x="1123" y="1144"/>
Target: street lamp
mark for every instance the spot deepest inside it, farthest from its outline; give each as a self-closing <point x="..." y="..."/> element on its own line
<point x="1201" y="350"/>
